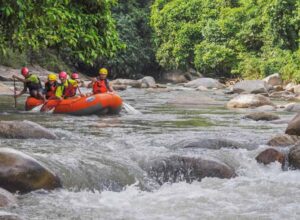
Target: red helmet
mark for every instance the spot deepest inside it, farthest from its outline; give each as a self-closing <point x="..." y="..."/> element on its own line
<point x="75" y="76"/>
<point x="24" y="71"/>
<point x="63" y="75"/>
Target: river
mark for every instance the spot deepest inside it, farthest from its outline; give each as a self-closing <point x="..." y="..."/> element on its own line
<point x="100" y="161"/>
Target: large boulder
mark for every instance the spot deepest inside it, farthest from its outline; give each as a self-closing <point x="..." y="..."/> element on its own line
<point x="248" y="101"/>
<point x="24" y="130"/>
<point x="250" y="86"/>
<point x="22" y="173"/>
<point x="147" y="82"/>
<point x="273" y="80"/>
<point x="179" y="168"/>
<point x="213" y="144"/>
<point x="7" y="199"/>
<point x="205" y="82"/>
<point x="269" y="156"/>
<point x="262" y="116"/>
<point x="293" y="127"/>
<point x="296" y="89"/>
<point x="175" y="76"/>
<point x="127" y="82"/>
<point x="294" y="157"/>
<point x="5" y="90"/>
<point x="283" y="140"/>
<point x="290" y="87"/>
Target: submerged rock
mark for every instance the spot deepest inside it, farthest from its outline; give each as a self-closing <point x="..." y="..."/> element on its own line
<point x="213" y="144"/>
<point x="24" y="130"/>
<point x="269" y="156"/>
<point x="249" y="100"/>
<point x="22" y="173"/>
<point x="250" y="86"/>
<point x="283" y="140"/>
<point x="7" y="199"/>
<point x="292" y="107"/>
<point x="205" y="82"/>
<point x="294" y="157"/>
<point x="262" y="116"/>
<point x="178" y="168"/>
<point x="293" y="127"/>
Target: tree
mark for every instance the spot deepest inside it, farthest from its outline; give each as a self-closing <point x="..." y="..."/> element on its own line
<point x="81" y="30"/>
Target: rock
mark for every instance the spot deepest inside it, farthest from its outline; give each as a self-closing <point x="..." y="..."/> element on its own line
<point x="6" y="73"/>
<point x="292" y="107"/>
<point x="294" y="157"/>
<point x="296" y="89"/>
<point x="250" y="86"/>
<point x="5" y="90"/>
<point x="283" y="140"/>
<point x="201" y="88"/>
<point x="278" y="88"/>
<point x="119" y="87"/>
<point x="21" y="173"/>
<point x="179" y="168"/>
<point x="269" y="156"/>
<point x="290" y="87"/>
<point x="212" y="143"/>
<point x="265" y="108"/>
<point x="127" y="82"/>
<point x="205" y="82"/>
<point x="148" y="82"/>
<point x="249" y="100"/>
<point x="24" y="130"/>
<point x="273" y="80"/>
<point x="9" y="216"/>
<point x="282" y="94"/>
<point x="293" y="127"/>
<point x="175" y="76"/>
<point x="262" y="116"/>
<point x="7" y="199"/>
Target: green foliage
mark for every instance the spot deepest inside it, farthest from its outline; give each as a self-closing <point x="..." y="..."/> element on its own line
<point x="132" y="22"/>
<point x="253" y="38"/>
<point x="82" y="30"/>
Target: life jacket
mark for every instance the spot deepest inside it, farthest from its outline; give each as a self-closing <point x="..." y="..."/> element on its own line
<point x="34" y="83"/>
<point x="100" y="86"/>
<point x="50" y="89"/>
<point x="70" y="90"/>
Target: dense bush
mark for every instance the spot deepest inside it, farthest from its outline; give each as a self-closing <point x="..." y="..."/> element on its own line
<point x="253" y="38"/>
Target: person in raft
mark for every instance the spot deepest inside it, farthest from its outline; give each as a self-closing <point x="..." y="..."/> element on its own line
<point x="67" y="88"/>
<point x="31" y="82"/>
<point x="100" y="84"/>
<point x="50" y="86"/>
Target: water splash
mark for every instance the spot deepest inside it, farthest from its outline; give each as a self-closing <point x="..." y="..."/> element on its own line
<point x="130" y="109"/>
<point x="37" y="108"/>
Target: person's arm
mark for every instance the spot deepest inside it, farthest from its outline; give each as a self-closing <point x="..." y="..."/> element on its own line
<point x="110" y="88"/>
<point x="19" y="78"/>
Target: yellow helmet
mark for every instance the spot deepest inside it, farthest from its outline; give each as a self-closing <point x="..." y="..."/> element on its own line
<point x="52" y="77"/>
<point x="103" y="71"/>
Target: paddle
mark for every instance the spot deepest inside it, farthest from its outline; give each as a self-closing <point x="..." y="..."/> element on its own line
<point x="15" y="93"/>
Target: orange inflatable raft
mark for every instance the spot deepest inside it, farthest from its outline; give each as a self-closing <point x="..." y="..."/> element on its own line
<point x="105" y="103"/>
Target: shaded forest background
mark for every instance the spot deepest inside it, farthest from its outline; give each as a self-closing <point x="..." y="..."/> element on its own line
<point x="220" y="38"/>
